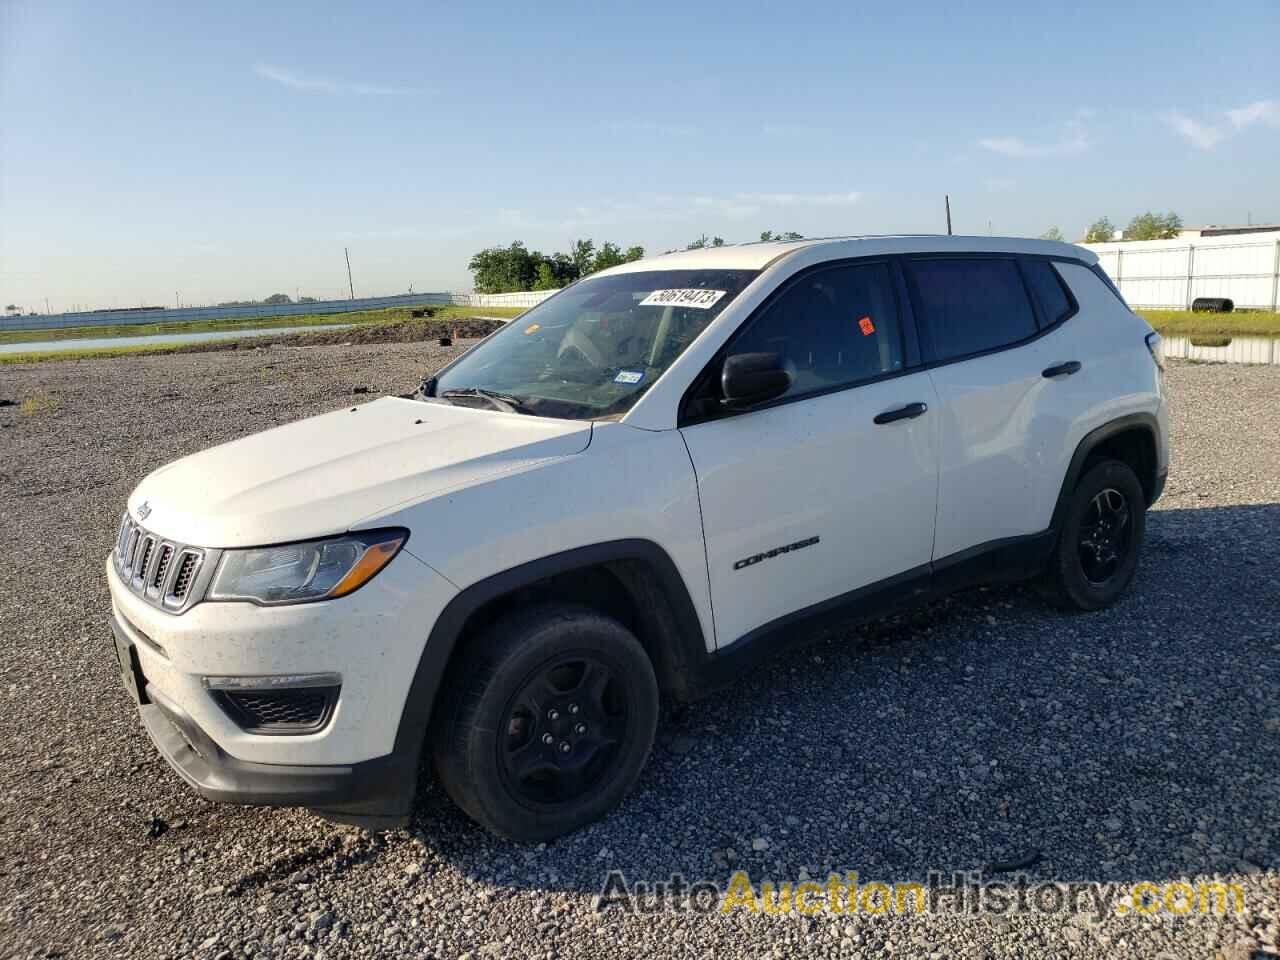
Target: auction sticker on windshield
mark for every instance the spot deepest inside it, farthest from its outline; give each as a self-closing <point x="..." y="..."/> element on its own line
<point x="697" y="298"/>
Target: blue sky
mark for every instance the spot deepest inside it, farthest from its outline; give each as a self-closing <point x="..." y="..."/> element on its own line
<point x="232" y="150"/>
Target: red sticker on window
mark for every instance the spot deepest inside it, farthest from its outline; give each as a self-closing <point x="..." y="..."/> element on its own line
<point x="866" y="326"/>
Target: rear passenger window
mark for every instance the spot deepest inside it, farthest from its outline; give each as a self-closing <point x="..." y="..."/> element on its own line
<point x="972" y="305"/>
<point x="832" y="328"/>
<point x="1047" y="285"/>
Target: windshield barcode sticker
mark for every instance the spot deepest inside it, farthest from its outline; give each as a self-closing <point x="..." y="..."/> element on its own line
<point x="696" y="298"/>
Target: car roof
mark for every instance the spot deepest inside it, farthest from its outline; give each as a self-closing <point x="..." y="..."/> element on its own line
<point x="757" y="256"/>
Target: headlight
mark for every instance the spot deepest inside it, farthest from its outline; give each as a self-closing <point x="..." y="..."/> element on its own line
<point x="301" y="572"/>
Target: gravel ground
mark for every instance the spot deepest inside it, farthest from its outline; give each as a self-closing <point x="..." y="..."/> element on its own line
<point x="1137" y="744"/>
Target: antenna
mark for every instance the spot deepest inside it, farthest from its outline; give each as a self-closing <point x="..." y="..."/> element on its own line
<point x="947" y="197"/>
<point x="350" y="285"/>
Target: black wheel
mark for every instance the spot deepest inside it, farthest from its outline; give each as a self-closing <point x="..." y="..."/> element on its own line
<point x="550" y="720"/>
<point x="1101" y="537"/>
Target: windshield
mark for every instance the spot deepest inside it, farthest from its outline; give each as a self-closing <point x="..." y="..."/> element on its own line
<point x="594" y="349"/>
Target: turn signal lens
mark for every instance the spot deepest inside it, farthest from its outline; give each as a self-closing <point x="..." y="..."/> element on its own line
<point x="377" y="556"/>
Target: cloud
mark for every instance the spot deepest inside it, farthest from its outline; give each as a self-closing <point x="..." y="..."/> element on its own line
<point x="652" y="128"/>
<point x="1207" y="135"/>
<point x="793" y="130"/>
<point x="670" y="208"/>
<point x="1260" y="111"/>
<point x="800" y="199"/>
<point x="1074" y="140"/>
<point x="312" y="84"/>
<point x="1019" y="148"/>
<point x="1200" y="135"/>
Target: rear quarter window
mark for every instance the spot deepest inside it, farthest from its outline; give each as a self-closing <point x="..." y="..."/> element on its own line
<point x="972" y="306"/>
<point x="1055" y="302"/>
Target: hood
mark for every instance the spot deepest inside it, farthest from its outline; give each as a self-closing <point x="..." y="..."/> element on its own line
<point x="323" y="475"/>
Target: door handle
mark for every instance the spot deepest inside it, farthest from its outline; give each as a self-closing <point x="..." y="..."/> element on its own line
<point x="1062" y="369"/>
<point x="908" y="412"/>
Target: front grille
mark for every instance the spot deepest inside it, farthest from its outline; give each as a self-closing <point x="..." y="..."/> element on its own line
<point x="160" y="571"/>
<point x="302" y="710"/>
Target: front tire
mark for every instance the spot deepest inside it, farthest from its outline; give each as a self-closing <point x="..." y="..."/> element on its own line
<point x="550" y="720"/>
<point x="1098" y="546"/>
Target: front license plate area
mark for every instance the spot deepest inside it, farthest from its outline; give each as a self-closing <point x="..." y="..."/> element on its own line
<point x="130" y="668"/>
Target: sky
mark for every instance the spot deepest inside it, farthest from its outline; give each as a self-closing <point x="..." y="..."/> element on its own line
<point x="157" y="153"/>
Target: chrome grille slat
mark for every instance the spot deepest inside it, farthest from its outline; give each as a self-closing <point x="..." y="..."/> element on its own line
<point x="122" y="540"/>
<point x="165" y="574"/>
<point x="131" y="552"/>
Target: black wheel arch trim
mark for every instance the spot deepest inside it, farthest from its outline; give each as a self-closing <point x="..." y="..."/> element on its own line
<point x="677" y="654"/>
<point x="1094" y="439"/>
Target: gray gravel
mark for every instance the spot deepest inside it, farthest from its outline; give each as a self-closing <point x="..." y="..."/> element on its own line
<point x="1141" y="743"/>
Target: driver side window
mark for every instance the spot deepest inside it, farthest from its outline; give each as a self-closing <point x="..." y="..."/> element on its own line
<point x="831" y="328"/>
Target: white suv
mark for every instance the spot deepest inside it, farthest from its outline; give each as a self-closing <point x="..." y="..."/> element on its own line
<point x="637" y="489"/>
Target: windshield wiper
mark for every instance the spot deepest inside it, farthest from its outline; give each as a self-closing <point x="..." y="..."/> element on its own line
<point x="500" y="401"/>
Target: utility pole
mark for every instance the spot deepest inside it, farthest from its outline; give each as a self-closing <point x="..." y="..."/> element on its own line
<point x="350" y="286"/>
<point x="947" y="197"/>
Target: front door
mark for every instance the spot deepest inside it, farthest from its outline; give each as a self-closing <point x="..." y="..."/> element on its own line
<point x="810" y="498"/>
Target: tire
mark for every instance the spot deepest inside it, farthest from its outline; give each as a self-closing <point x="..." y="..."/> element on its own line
<point x="560" y="671"/>
<point x="1081" y="575"/>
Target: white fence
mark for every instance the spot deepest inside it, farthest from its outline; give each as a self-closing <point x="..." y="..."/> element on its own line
<point x="268" y="312"/>
<point x="256" y="311"/>
<point x="529" y="298"/>
<point x="1173" y="273"/>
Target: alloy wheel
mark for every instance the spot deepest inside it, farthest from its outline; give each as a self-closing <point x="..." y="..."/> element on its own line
<point x="1105" y="535"/>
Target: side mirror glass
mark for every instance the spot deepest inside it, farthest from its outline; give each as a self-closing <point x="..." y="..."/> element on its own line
<point x="748" y="379"/>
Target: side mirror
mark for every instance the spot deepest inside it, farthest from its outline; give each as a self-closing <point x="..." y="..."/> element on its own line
<point x="751" y="378"/>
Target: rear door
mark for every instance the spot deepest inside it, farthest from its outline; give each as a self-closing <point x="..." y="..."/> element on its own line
<point x="809" y="497"/>
<point x="981" y="330"/>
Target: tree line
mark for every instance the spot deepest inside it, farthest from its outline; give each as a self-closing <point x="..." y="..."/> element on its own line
<point x="515" y="267"/>
<point x="1145" y="226"/>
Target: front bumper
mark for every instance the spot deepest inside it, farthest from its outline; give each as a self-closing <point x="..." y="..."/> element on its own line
<point x="375" y="793"/>
<point x="357" y="766"/>
<point x="372" y="640"/>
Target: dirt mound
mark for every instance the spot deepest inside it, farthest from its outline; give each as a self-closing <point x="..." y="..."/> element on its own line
<point x="401" y="331"/>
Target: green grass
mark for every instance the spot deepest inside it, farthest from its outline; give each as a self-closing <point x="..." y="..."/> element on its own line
<point x="389" y="315"/>
<point x="87" y="353"/>
<point x="1184" y="323"/>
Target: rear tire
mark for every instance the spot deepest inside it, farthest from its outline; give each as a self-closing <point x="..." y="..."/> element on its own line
<point x="549" y="720"/>
<point x="1100" y="540"/>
